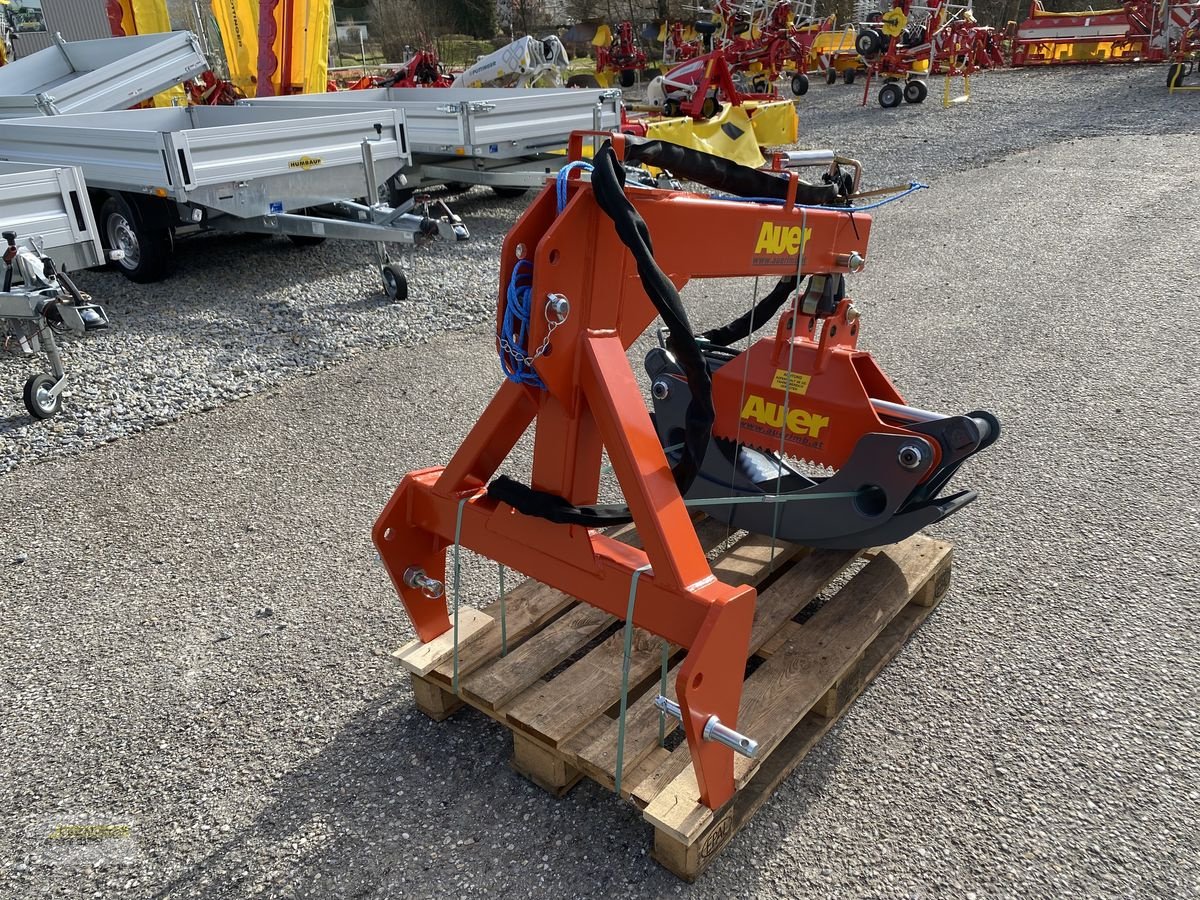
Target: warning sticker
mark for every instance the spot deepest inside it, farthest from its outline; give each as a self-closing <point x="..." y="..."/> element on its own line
<point x="791" y="381"/>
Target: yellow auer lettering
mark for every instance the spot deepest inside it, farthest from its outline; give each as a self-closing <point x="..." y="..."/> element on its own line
<point x="779" y="239"/>
<point x="799" y="421"/>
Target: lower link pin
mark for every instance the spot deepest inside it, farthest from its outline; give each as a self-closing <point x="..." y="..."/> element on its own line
<point x="415" y="577"/>
<point x="713" y="729"/>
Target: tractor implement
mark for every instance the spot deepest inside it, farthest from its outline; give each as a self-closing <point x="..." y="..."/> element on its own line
<point x="584" y="272"/>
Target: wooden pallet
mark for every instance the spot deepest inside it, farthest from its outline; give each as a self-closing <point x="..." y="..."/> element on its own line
<point x="558" y="688"/>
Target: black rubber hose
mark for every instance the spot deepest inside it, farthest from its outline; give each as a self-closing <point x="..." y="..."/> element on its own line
<point x="608" y="178"/>
<point x="608" y="185"/>
<point x="747" y="323"/>
<point x="724" y="175"/>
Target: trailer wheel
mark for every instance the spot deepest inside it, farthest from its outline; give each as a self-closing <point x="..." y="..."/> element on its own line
<point x="915" y="92"/>
<point x="671" y="109"/>
<point x="868" y="43"/>
<point x="146" y="248"/>
<point x="830" y="75"/>
<point x="37" y="397"/>
<point x="890" y="95"/>
<point x="395" y="282"/>
<point x="849" y="75"/>
<point x="799" y="84"/>
<point x="710" y="108"/>
<point x="1175" y="73"/>
<point x="628" y="78"/>
<point x="509" y="193"/>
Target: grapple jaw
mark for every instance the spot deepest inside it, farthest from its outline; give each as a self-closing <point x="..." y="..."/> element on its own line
<point x="891" y="460"/>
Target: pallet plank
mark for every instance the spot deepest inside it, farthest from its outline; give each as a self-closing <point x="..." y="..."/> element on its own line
<point x="560" y="708"/>
<point x="793" y="590"/>
<point x="782" y="691"/>
<point x="531" y="604"/>
<point x="528" y="606"/>
<point x="495" y="683"/>
<point x="422" y="658"/>
<point x="499" y="681"/>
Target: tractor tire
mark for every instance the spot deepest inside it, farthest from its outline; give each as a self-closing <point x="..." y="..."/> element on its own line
<point x="915" y="91"/>
<point x="868" y="43"/>
<point x="628" y="78"/>
<point x="890" y="95"/>
<point x="799" y="84"/>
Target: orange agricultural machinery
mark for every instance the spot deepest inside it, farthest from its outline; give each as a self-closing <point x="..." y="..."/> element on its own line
<point x="584" y="272"/>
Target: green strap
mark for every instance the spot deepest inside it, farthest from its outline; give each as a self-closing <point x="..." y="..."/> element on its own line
<point x="702" y="502"/>
<point x="633" y="583"/>
<point x="662" y="690"/>
<point x="457" y="578"/>
<point x="503" y="617"/>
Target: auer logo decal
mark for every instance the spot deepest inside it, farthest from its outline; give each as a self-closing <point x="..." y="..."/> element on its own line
<point x="778" y="242"/>
<point x="799" y="421"/>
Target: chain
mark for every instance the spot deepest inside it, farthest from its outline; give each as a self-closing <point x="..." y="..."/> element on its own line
<point x="516" y="354"/>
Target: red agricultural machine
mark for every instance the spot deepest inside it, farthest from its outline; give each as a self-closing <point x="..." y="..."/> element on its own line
<point x="911" y="41"/>
<point x="697" y="88"/>
<point x="1048" y="38"/>
<point x="766" y="40"/>
<point x="422" y="69"/>
<point x="677" y="47"/>
<point x="209" y="89"/>
<point x="623" y="56"/>
<point x="1138" y="31"/>
<point x="1182" y="43"/>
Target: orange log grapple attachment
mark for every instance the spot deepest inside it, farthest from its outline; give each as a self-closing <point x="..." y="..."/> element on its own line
<point x="581" y="282"/>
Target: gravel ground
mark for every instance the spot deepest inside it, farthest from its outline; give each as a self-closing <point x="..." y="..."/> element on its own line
<point x="240" y="316"/>
<point x="195" y="640"/>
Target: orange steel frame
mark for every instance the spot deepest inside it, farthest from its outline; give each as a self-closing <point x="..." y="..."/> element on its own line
<point x="592" y="402"/>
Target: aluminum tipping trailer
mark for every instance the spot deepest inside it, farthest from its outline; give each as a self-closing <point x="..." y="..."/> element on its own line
<point x="95" y="76"/>
<point x="48" y="209"/>
<point x="46" y="228"/>
<point x="507" y="138"/>
<point x="154" y="174"/>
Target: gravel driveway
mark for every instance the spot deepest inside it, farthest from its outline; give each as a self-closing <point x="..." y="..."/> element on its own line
<point x="194" y="633"/>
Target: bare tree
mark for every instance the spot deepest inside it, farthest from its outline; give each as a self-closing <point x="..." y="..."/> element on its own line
<point x="406" y="23"/>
